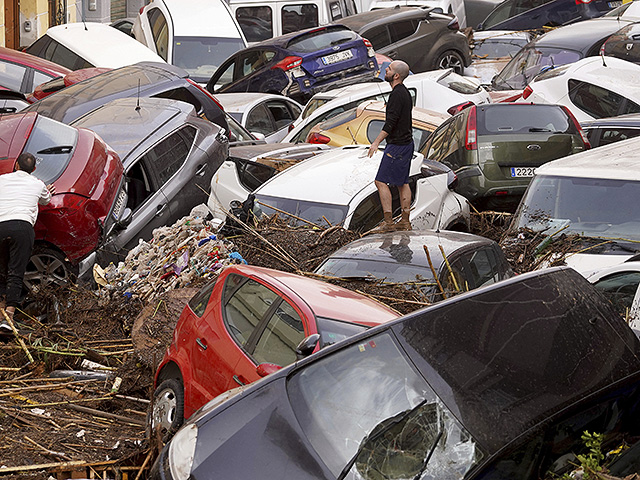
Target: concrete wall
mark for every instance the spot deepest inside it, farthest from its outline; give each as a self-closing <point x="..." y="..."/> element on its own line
<point x="2" y="40"/>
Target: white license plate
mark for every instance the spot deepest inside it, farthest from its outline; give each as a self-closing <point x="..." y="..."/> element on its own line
<point x="615" y="4"/>
<point x="522" y="171"/>
<point x="337" y="57"/>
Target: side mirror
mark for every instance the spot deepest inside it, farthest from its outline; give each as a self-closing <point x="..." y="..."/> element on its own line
<point x="307" y="346"/>
<point x="265" y="369"/>
<point x="125" y="220"/>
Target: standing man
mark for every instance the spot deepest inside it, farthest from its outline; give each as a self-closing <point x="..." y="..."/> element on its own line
<point x="20" y="194"/>
<point x="396" y="159"/>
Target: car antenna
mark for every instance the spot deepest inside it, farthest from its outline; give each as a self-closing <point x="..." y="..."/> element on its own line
<point x="603" y="62"/>
<point x="138" y="99"/>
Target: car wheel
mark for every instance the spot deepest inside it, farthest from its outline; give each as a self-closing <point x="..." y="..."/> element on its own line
<point x="167" y="412"/>
<point x="450" y="59"/>
<point x="48" y="266"/>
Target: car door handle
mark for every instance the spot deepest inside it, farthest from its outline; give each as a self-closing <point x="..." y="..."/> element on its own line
<point x="237" y="380"/>
<point x="392" y="54"/>
<point x="202" y="345"/>
<point x="161" y="208"/>
<point x="201" y="169"/>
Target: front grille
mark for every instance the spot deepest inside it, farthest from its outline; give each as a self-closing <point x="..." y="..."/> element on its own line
<point x="343" y="73"/>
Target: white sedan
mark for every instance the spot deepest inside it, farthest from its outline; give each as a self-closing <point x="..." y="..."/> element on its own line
<point x="437" y="90"/>
<point x="594" y="87"/>
<point x="263" y="114"/>
<point x="337" y="188"/>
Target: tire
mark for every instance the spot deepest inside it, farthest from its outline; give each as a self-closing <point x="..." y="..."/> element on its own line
<point x="167" y="411"/>
<point x="450" y="59"/>
<point x="48" y="266"/>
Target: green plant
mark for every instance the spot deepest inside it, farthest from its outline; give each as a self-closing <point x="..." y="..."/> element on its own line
<point x="591" y="461"/>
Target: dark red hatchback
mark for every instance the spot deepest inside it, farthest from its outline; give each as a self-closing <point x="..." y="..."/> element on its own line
<point x="21" y="71"/>
<point x="87" y="175"/>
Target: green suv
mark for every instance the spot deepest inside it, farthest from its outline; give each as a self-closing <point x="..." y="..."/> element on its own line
<point x="494" y="149"/>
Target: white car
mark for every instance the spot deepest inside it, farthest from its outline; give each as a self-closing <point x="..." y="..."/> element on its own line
<point x="621" y="285"/>
<point x="491" y="50"/>
<point x="594" y="87"/>
<point x="452" y="7"/>
<point x="337" y="188"/>
<point x="438" y="91"/>
<point x="197" y="35"/>
<point x="263" y="114"/>
<point x="85" y="45"/>
<point x="592" y="194"/>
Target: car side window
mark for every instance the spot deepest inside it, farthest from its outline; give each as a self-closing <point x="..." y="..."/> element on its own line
<point x="298" y="17"/>
<point x="259" y="120"/>
<point x="282" y="113"/>
<point x="225" y="78"/>
<point x="167" y="157"/>
<point x="282" y="334"/>
<point x="160" y="32"/>
<point x="401" y="30"/>
<point x="245" y="306"/>
<point x="368" y="214"/>
<point x="140" y="184"/>
<point x="483" y="269"/>
<point x="40" y="78"/>
<point x="61" y="55"/>
<point x="611" y="135"/>
<point x="12" y="76"/>
<point x="439" y="144"/>
<point x="620" y="288"/>
<point x="452" y="280"/>
<point x="378" y="36"/>
<point x="253" y="174"/>
<point x="335" y="10"/>
<point x="198" y="303"/>
<point x="420" y="136"/>
<point x="252" y="61"/>
<point x="256" y="22"/>
<point x="456" y="132"/>
<point x="594" y="100"/>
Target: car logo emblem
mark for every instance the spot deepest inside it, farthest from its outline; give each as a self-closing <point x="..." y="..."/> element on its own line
<point x="533" y="147"/>
<point x="337" y="47"/>
<point x="629" y="46"/>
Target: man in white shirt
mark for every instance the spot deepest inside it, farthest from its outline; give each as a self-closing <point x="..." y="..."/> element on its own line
<point x="20" y="194"/>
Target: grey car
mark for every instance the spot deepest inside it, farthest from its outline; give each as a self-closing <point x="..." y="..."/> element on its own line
<point x="423" y="38"/>
<point x="400" y="257"/>
<point x="169" y="155"/>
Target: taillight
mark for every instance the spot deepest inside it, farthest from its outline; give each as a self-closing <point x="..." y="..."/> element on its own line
<point x="288" y="63"/>
<point x="582" y="2"/>
<point x="370" y="51"/>
<point x="141" y="9"/>
<point x="206" y="92"/>
<point x="318" y="138"/>
<point x="367" y="43"/>
<point x="471" y="136"/>
<point x="577" y="125"/>
<point x="291" y="127"/>
<point x="453" y="24"/>
<point x="527" y="91"/>
<point x="460" y="107"/>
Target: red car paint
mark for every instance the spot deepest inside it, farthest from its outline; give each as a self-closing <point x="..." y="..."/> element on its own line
<point x="85" y="190"/>
<point x="52" y="86"/>
<point x="209" y="359"/>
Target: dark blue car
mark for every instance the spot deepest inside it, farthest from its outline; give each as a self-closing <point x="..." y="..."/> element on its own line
<point x="298" y="64"/>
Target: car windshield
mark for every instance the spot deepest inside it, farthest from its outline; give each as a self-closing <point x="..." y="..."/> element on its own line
<point x="369" y="414"/>
<point x="201" y="56"/>
<point x="390" y="272"/>
<point x="591" y="207"/>
<point x="523" y="118"/>
<point x="313" y="105"/>
<point x="53" y="144"/>
<point x="528" y="63"/>
<point x="459" y="84"/>
<point x="298" y="211"/>
<point x="498" y="47"/>
<point x="321" y="39"/>
<point x="332" y="331"/>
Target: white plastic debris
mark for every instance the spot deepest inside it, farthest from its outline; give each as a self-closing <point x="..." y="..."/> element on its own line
<point x="80" y="434"/>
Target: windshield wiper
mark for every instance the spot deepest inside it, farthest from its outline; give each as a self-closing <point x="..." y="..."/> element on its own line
<point x="56" y="150"/>
<point x="426" y="460"/>
<point x="368" y="439"/>
<point x="536" y="129"/>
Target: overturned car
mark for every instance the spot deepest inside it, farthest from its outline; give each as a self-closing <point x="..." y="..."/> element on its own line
<point x="496" y="383"/>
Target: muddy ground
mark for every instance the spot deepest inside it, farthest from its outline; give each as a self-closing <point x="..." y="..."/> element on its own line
<point x="88" y="426"/>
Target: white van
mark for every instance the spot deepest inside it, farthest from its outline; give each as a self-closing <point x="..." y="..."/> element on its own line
<point x="264" y="19"/>
<point x="196" y="35"/>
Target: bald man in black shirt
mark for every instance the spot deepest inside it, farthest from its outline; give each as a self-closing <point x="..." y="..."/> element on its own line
<point x="396" y="159"/>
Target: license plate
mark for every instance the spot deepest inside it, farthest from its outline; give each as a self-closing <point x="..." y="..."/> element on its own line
<point x="337" y="57"/>
<point x="615" y="3"/>
<point x="522" y="171"/>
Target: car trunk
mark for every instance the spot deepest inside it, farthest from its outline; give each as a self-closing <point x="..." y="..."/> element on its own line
<point x="517" y="155"/>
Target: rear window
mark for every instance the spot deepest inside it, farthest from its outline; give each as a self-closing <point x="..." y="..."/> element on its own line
<point x="53" y="144"/>
<point x="508" y="119"/>
<point x="321" y="39"/>
<point x="339" y="119"/>
<point x="332" y="331"/>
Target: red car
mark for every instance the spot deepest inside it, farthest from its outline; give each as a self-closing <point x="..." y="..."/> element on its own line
<point x="52" y="86"/>
<point x="21" y="72"/>
<point x="250" y="322"/>
<point x="87" y="175"/>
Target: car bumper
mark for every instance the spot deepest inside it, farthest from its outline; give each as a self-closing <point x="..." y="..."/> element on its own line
<point x="346" y="77"/>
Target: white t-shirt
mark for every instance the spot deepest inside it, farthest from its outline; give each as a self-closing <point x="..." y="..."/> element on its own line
<point x="20" y="194"/>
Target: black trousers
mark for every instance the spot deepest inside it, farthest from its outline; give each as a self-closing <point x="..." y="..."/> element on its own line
<point x="16" y="243"/>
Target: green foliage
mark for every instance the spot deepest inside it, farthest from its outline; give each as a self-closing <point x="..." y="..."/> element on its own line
<point x="591" y="462"/>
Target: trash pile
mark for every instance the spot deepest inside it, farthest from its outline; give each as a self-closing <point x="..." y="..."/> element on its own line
<point x="183" y="254"/>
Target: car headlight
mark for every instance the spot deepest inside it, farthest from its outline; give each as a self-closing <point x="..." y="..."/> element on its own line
<point x="181" y="451"/>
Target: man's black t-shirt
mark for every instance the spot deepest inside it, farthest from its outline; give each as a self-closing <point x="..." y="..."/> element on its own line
<point x="398" y="117"/>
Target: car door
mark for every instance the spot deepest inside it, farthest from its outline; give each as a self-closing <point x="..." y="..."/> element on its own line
<point x="159" y="33"/>
<point x="260" y="120"/>
<point x="405" y="43"/>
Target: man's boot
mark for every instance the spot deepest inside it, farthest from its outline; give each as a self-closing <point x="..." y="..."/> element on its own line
<point x="404" y="224"/>
<point x="387" y="224"/>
